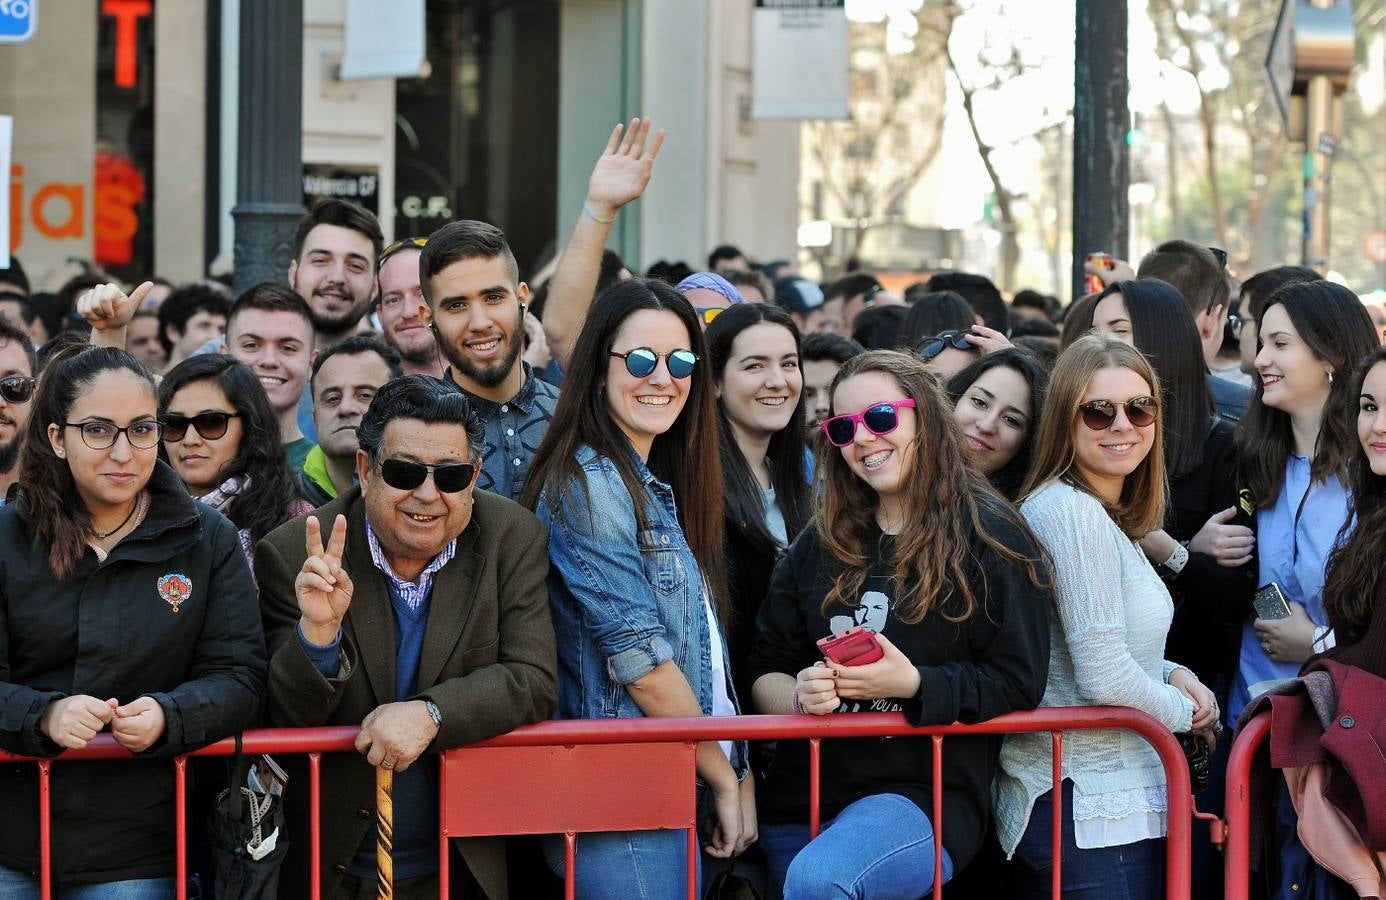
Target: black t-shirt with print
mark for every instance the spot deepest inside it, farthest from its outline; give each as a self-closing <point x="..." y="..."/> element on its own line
<point x="995" y="662"/>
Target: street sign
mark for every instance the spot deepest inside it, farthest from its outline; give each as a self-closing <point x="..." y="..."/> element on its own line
<point x="18" y="20"/>
<point x="1280" y="60"/>
<point x="360" y="186"/>
<point x="799" y="59"/>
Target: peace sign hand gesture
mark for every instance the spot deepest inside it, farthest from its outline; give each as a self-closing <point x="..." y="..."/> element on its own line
<point x="623" y="171"/>
<point x="323" y="586"/>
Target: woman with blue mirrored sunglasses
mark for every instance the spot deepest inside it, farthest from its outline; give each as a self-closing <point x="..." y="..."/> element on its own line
<point x="628" y="480"/>
<point x="641" y="361"/>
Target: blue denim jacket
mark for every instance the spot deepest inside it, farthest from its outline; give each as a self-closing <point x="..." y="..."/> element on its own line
<point x="624" y="600"/>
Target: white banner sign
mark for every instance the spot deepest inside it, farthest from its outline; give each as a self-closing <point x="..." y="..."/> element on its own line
<point x="6" y="132"/>
<point x="799" y="68"/>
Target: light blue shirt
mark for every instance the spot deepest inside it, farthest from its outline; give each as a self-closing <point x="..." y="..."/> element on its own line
<point x="1292" y="553"/>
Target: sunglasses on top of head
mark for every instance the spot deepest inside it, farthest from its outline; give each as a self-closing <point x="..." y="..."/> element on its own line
<point x="879" y="418"/>
<point x="17" y="388"/>
<point x="708" y="313"/>
<point x="209" y="425"/>
<point x="932" y="347"/>
<point x="641" y="361"/>
<point x="406" y="475"/>
<point x="1099" y="415"/>
<point x="409" y="243"/>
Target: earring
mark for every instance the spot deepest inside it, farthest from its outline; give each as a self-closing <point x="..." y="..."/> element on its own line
<point x="1330" y="378"/>
<point x="61" y="454"/>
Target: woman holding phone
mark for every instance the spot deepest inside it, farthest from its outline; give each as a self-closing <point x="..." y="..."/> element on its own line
<point x="628" y="482"/>
<point x="903" y="530"/>
<point x="1296" y="442"/>
<point x="1098" y="486"/>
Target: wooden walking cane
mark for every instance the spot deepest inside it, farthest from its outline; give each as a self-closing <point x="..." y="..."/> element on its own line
<point x="384" y="832"/>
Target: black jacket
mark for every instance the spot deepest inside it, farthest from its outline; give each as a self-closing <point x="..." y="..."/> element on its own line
<point x="749" y="564"/>
<point x="995" y="662"/>
<point x="107" y="631"/>
<point x="1211" y="601"/>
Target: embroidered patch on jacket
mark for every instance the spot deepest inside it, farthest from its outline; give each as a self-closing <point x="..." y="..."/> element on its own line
<point x="175" y="588"/>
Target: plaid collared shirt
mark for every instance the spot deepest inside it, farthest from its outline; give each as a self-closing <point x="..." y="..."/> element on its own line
<point x="411" y="592"/>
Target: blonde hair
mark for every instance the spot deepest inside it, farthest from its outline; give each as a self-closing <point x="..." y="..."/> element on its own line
<point x="1141" y="508"/>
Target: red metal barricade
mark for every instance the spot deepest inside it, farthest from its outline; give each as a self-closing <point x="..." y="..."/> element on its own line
<point x="562" y="770"/>
<point x="1237" y="862"/>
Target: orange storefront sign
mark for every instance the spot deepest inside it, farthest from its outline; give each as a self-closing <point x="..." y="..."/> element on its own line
<point x="58" y="210"/>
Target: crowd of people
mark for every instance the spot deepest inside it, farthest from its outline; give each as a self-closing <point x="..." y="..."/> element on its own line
<point x="409" y="491"/>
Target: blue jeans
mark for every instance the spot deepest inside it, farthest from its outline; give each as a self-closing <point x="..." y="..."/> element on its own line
<point x="881" y="847"/>
<point x="626" y="865"/>
<point x="1124" y="872"/>
<point x="20" y="886"/>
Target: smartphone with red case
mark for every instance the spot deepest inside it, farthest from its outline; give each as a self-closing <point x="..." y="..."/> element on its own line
<point x="856" y="646"/>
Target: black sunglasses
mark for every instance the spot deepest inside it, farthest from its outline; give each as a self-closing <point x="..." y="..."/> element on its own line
<point x="931" y="347"/>
<point x="641" y="361"/>
<point x="404" y="475"/>
<point x="210" y="425"/>
<point x="1100" y="414"/>
<point x="17" y="388"/>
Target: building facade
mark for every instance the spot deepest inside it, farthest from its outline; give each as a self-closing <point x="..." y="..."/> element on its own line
<point x="125" y="128"/>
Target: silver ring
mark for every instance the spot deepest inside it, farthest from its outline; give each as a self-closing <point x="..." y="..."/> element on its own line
<point x="386" y="765"/>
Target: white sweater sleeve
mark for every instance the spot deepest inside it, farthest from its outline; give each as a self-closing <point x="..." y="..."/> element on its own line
<point x="1089" y="593"/>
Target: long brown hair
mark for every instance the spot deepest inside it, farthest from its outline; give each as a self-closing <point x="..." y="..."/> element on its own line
<point x="686" y="457"/>
<point x="47" y="493"/>
<point x="1334" y="325"/>
<point x="1354" y="567"/>
<point x="1141" y="508"/>
<point x="943" y="492"/>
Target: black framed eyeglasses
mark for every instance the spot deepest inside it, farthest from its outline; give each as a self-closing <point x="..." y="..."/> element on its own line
<point x="932" y="347"/>
<point x="641" y="361"/>
<point x="407" y="475"/>
<point x="142" y="435"/>
<point x="409" y="243"/>
<point x="17" y="388"/>
<point x="210" y="425"/>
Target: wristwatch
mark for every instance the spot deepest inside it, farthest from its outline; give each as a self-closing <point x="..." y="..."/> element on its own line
<point x="1177" y="560"/>
<point x="434" y="713"/>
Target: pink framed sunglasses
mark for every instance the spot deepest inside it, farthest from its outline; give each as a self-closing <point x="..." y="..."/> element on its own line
<point x="879" y="418"/>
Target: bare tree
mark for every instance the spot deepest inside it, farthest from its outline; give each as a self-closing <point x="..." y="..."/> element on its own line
<point x="1198" y="36"/>
<point x="1004" y="62"/>
<point x="871" y="162"/>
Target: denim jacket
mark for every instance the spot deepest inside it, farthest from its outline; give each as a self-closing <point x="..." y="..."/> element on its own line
<point x="624" y="600"/>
